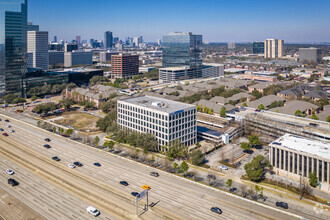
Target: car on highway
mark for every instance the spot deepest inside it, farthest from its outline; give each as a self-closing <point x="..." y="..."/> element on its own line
<point x="223" y="167"/>
<point x="56" y="158"/>
<point x="216" y="210"/>
<point x="135" y="194"/>
<point x="71" y="165"/>
<point x="64" y="135"/>
<point x="47" y="139"/>
<point x="93" y="211"/>
<point x="8" y="126"/>
<point x="284" y="205"/>
<point x="257" y="110"/>
<point x="10" y="172"/>
<point x="1" y="129"/>
<point x="5" y="134"/>
<point x="47" y="146"/>
<point x="6" y="120"/>
<point x="155" y="174"/>
<point x="12" y="182"/>
<point x="78" y="164"/>
<point x="97" y="164"/>
<point x="11" y="130"/>
<point x="124" y="183"/>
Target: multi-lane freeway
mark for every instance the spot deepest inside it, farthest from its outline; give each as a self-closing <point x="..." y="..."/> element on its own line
<point x="56" y="191"/>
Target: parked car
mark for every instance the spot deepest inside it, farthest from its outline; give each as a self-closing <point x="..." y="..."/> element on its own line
<point x="155" y="174"/>
<point x="5" y="134"/>
<point x="13" y="182"/>
<point x="93" y="211"/>
<point x="11" y="130"/>
<point x="135" y="194"/>
<point x="47" y="146"/>
<point x="284" y="205"/>
<point x="47" y="139"/>
<point x="8" y="126"/>
<point x="216" y="210"/>
<point x="78" y="164"/>
<point x="124" y="183"/>
<point x="71" y="165"/>
<point x="223" y="167"/>
<point x="97" y="164"/>
<point x="10" y="172"/>
<point x="56" y="158"/>
<point x="1" y="129"/>
<point x="64" y="135"/>
<point x="7" y="120"/>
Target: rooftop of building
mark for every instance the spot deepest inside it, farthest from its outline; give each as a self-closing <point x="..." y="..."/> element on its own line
<point x="302" y="144"/>
<point x="77" y="70"/>
<point x="159" y="104"/>
<point x="176" y="68"/>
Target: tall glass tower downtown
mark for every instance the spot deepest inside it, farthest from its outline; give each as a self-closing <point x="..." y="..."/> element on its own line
<point x="13" y="45"/>
<point x="183" y="49"/>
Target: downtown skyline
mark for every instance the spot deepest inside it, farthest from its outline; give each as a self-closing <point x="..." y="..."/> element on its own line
<point x="217" y="21"/>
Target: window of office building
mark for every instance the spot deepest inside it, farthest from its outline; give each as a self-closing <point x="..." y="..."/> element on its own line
<point x="277" y="158"/>
<point x="295" y="164"/>
<point x="282" y="159"/>
<point x="320" y="169"/>
<point x="305" y="165"/>
<point x="310" y="168"/>
<point x="325" y="171"/>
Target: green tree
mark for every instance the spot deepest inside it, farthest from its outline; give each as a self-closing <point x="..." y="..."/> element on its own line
<point x="109" y="144"/>
<point x="328" y="118"/>
<point x="246" y="146"/>
<point x="98" y="79"/>
<point x="244" y="104"/>
<point x="314" y="117"/>
<point x="197" y="157"/>
<point x="254" y="140"/>
<point x="69" y="132"/>
<point x="33" y="98"/>
<point x="175" y="166"/>
<point x="18" y="100"/>
<point x="54" y="129"/>
<point x="186" y="83"/>
<point x="90" y="105"/>
<point x="9" y="98"/>
<point x="313" y="181"/>
<point x="184" y="167"/>
<point x="109" y="106"/>
<point x="137" y="151"/>
<point x="176" y="149"/>
<point x="67" y="103"/>
<point x="96" y="140"/>
<point x="261" y="107"/>
<point x="256" y="94"/>
<point x="223" y="112"/>
<point x="255" y="170"/>
<point x="298" y="113"/>
<point x="229" y="182"/>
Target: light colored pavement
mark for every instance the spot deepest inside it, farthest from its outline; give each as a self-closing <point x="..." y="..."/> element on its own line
<point x="174" y="196"/>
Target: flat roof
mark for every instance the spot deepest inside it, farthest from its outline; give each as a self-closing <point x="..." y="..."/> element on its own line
<point x="175" y="68"/>
<point x="152" y="102"/>
<point x="302" y="144"/>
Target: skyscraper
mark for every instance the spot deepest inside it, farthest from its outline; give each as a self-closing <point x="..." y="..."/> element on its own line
<point x="13" y="45"/>
<point x="231" y="45"/>
<point x="273" y="48"/>
<point x="78" y="39"/>
<point x="38" y="49"/>
<point x="32" y="27"/>
<point x="55" y="39"/>
<point x="258" y="48"/>
<point x="108" y="39"/>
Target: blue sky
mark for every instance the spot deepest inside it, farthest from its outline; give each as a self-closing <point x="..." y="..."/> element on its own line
<point x="216" y="20"/>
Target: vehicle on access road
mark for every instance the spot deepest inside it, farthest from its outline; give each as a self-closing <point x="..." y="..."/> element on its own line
<point x="10" y="172"/>
<point x="93" y="211"/>
<point x="216" y="210"/>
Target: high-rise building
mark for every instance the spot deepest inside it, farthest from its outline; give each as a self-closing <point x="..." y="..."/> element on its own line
<point x="136" y="41"/>
<point x="55" y="39"/>
<point x="311" y="54"/>
<point x="124" y="66"/>
<point x="37" y="47"/>
<point x="69" y="47"/>
<point x="258" y="48"/>
<point x="159" y="42"/>
<point x="106" y="56"/>
<point x="78" y="39"/>
<point x="32" y="27"/>
<point x="273" y="48"/>
<point x="13" y="45"/>
<point x="231" y="45"/>
<point x="108" y="39"/>
<point x="115" y="40"/>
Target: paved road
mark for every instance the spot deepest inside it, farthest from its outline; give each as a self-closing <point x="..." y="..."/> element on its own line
<point x="175" y="197"/>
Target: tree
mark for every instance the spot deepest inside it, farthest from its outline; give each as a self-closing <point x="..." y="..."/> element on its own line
<point x="246" y="146"/>
<point x="96" y="140"/>
<point x="90" y="105"/>
<point x="314" y="117"/>
<point x="175" y="166"/>
<point x="254" y="140"/>
<point x="9" y="98"/>
<point x="261" y="107"/>
<point x="255" y="170"/>
<point x="33" y="98"/>
<point x="18" y="100"/>
<point x="109" y="106"/>
<point x="256" y="94"/>
<point x="229" y="182"/>
<point x="69" y="132"/>
<point x="176" y="149"/>
<point x="109" y="144"/>
<point x="328" y="118"/>
<point x="313" y="179"/>
<point x="256" y="187"/>
<point x="184" y="167"/>
<point x="223" y="112"/>
<point x="44" y="108"/>
<point x="244" y="104"/>
<point x="298" y="113"/>
<point x="98" y="79"/>
<point x="210" y="177"/>
<point x="186" y="83"/>
<point x="67" y="103"/>
<point x="197" y="157"/>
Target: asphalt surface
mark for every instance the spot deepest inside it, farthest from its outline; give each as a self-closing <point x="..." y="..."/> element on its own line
<point x="59" y="192"/>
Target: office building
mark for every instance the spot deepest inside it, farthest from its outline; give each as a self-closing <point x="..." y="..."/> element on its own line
<point x="231" y="45"/>
<point x="159" y="42"/>
<point x="55" y="39"/>
<point x="55" y="46"/>
<point x="78" y="40"/>
<point x="37" y="47"/>
<point x="124" y="66"/>
<point x="258" y="48"/>
<point x="32" y="27"/>
<point x="106" y="56"/>
<point x="108" y="39"/>
<point x="311" y="54"/>
<point x="137" y="41"/>
<point x="273" y="48"/>
<point x="115" y="40"/>
<point x="78" y="58"/>
<point x="69" y="47"/>
<point x="56" y="58"/>
<point x="295" y="155"/>
<point x="13" y="46"/>
<point x="166" y="120"/>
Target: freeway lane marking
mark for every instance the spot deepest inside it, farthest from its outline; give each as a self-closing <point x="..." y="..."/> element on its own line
<point x="164" y="172"/>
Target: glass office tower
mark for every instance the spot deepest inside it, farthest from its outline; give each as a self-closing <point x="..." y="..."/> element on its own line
<point x="13" y="45"/>
<point x="258" y="48"/>
<point x="108" y="39"/>
<point x="183" y="49"/>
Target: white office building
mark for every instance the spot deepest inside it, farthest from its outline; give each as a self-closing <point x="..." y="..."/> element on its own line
<point x="292" y="155"/>
<point x="77" y="58"/>
<point x="273" y="48"/>
<point x="37" y="48"/>
<point x="167" y="120"/>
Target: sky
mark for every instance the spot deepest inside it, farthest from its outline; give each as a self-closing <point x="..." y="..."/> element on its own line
<point x="216" y="20"/>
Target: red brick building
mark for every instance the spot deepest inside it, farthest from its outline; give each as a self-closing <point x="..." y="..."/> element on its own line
<point x="124" y="66"/>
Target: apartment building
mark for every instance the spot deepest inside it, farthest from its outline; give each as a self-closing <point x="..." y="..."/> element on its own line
<point x="124" y="66"/>
<point x="273" y="48"/>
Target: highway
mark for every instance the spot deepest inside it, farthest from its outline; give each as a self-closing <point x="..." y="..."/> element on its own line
<point x="49" y="184"/>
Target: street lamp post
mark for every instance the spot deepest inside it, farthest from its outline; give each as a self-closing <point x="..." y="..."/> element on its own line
<point x="300" y="184"/>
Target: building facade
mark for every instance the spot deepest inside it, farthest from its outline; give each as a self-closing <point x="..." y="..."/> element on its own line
<point x="295" y="155"/>
<point x="56" y="58"/>
<point x="273" y="48"/>
<point x="231" y="45"/>
<point x="167" y="120"/>
<point x="108" y="39"/>
<point x="37" y="46"/>
<point x="311" y="54"/>
<point x="69" y="47"/>
<point x="106" y="56"/>
<point x="78" y="58"/>
<point x="258" y="48"/>
<point x="32" y="27"/>
<point x="13" y="46"/>
<point x="124" y="66"/>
